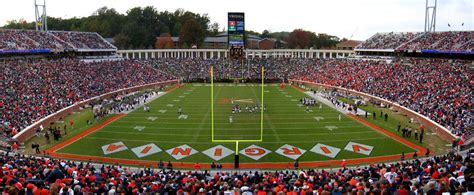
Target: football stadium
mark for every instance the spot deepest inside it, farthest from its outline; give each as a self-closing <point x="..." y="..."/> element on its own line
<point x="147" y="100"/>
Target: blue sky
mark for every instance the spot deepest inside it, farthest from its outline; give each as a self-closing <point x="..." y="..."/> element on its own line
<point x="358" y="19"/>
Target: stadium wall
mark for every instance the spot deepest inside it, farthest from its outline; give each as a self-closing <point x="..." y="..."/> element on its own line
<point x="30" y="131"/>
<point x="441" y="131"/>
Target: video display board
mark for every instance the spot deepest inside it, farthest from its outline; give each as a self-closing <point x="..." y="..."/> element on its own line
<point x="236" y="29"/>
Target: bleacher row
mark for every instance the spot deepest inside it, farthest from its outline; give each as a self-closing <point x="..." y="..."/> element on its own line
<point x="455" y="41"/>
<point x="28" y="40"/>
<point x="448" y="174"/>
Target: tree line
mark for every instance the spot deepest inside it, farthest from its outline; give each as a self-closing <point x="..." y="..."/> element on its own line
<point x="139" y="27"/>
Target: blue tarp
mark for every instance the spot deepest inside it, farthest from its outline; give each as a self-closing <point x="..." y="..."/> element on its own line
<point x="26" y="51"/>
<point x="446" y="52"/>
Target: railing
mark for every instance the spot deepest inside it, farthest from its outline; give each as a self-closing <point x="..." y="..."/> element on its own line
<point x="434" y="126"/>
<point x="30" y="131"/>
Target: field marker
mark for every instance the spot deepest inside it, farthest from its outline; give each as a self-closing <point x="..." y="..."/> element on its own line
<point x="186" y="93"/>
<point x="299" y="105"/>
<point x="266" y="91"/>
<point x="318" y="118"/>
<point x="218" y="152"/>
<point x="182" y="151"/>
<point x="183" y="116"/>
<point x="139" y="128"/>
<point x="181" y="96"/>
<point x="113" y="148"/>
<point x="146" y="150"/>
<point x="359" y="148"/>
<point x="162" y="111"/>
<point x="288" y="96"/>
<point x="294" y="100"/>
<point x="325" y="150"/>
<point x="169" y="105"/>
<point x="152" y="118"/>
<point x="255" y="152"/>
<point x="332" y="127"/>
<point x="290" y="151"/>
<point x="176" y="100"/>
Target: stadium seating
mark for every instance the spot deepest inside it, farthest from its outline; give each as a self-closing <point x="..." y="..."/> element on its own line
<point x="387" y="40"/>
<point x="31" y="90"/>
<point x="414" y="83"/>
<point x="83" y="40"/>
<point x="441" y="41"/>
<point x="445" y="101"/>
<point x="52" y="40"/>
<point x="440" y="174"/>
<point x="438" y="89"/>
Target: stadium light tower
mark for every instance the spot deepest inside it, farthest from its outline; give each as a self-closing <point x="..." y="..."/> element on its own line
<point x="430" y="15"/>
<point x="41" y="20"/>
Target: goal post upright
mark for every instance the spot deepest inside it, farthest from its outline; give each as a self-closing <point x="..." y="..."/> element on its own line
<point x="262" y="105"/>
<point x="212" y="101"/>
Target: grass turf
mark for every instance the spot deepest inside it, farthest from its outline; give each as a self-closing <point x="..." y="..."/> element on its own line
<point x="285" y="122"/>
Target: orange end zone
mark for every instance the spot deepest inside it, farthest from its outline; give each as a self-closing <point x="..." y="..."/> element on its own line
<point x="327" y="163"/>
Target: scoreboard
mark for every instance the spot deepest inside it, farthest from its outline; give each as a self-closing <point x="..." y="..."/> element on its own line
<point x="236" y="29"/>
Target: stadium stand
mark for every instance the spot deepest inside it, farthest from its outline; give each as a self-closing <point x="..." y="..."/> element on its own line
<point x="446" y="101"/>
<point x="387" y="40"/>
<point x="84" y="40"/>
<point x="440" y="41"/>
<point x="21" y="40"/>
<point x="438" y="89"/>
<point x="451" y="173"/>
<point x="32" y="90"/>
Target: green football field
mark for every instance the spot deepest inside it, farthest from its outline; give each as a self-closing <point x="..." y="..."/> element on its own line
<point x="285" y="122"/>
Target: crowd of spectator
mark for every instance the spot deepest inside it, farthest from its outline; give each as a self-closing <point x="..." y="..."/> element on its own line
<point x="31" y="90"/>
<point x="388" y="40"/>
<point x="450" y="173"/>
<point x="84" y="40"/>
<point x="443" y="41"/>
<point x="438" y="89"/>
<point x="52" y="40"/>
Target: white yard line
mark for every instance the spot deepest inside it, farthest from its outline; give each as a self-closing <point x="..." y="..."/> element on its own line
<point x="209" y="143"/>
<point x="265" y="134"/>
